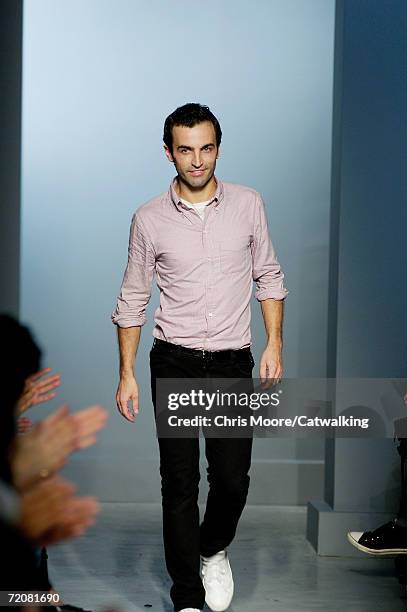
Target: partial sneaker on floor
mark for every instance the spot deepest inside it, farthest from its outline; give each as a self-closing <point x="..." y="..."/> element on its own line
<point x="388" y="539"/>
<point x="190" y="610"/>
<point x="218" y="581"/>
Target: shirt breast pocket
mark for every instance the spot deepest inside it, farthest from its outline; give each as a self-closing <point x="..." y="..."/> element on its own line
<point x="233" y="255"/>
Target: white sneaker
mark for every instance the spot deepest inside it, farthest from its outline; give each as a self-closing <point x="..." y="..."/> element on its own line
<point x="218" y="581"/>
<point x="190" y="610"/>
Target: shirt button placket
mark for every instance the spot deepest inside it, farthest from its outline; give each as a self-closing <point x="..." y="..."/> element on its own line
<point x="208" y="279"/>
<point x="205" y="248"/>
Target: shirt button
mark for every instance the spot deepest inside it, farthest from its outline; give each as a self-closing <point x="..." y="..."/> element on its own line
<point x="210" y="314"/>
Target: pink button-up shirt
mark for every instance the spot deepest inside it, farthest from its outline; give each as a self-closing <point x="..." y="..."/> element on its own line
<point x="204" y="268"/>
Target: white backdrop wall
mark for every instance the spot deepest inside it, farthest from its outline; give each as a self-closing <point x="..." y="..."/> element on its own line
<point x="99" y="78"/>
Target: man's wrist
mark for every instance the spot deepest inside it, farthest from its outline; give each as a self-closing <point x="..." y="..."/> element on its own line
<point x="276" y="344"/>
<point x="126" y="373"/>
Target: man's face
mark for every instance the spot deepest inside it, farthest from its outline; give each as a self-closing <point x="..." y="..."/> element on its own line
<point x="194" y="153"/>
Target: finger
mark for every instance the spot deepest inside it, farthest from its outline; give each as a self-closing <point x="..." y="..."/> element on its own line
<point x="275" y="376"/>
<point x="42" y="399"/>
<point x="125" y="411"/>
<point x="268" y="375"/>
<point x="46" y="379"/>
<point x="86" y="442"/>
<point x="123" y="407"/>
<point x="129" y="415"/>
<point x="269" y="382"/>
<point x="24" y="426"/>
<point x="90" y="421"/>
<point x="58" y="415"/>
<point x="98" y="420"/>
<point x="263" y="372"/>
<point x="91" y="417"/>
<point x="91" y="428"/>
<point x="63" y="423"/>
<point x="80" y="512"/>
<point x="134" y="399"/>
<point x="38" y="374"/>
<point x="85" y="504"/>
<point x="47" y="384"/>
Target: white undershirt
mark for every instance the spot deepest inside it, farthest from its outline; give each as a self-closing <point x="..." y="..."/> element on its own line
<point x="199" y="207"/>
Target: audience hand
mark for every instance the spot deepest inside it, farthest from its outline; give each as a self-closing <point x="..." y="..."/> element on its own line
<point x="51" y="513"/>
<point x="38" y="389"/>
<point x="45" y="449"/>
<point x="24" y="425"/>
<point x="88" y="422"/>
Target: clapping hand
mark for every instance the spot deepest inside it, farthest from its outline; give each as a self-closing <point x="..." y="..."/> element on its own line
<point x="45" y="449"/>
<point x="51" y="513"/>
<point x="38" y="388"/>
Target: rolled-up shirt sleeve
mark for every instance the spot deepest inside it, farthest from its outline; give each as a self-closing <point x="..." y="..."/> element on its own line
<point x="135" y="290"/>
<point x="267" y="272"/>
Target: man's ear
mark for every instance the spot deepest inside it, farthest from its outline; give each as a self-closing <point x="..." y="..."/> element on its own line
<point x="168" y="154"/>
<point x="218" y="153"/>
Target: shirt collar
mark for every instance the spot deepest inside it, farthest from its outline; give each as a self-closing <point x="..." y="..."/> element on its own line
<point x="217" y="197"/>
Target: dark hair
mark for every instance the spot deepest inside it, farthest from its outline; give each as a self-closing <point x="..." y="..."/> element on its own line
<point x="189" y="115"/>
<point x="20" y="357"/>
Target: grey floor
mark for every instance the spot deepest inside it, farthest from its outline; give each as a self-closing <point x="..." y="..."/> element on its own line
<point x="119" y="564"/>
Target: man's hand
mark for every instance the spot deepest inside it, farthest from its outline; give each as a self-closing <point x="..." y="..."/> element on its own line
<point x="127" y="391"/>
<point x="271" y="366"/>
<point x="38" y="389"/>
<point x="271" y="363"/>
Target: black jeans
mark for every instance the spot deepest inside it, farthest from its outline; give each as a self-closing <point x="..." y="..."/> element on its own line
<point x="228" y="466"/>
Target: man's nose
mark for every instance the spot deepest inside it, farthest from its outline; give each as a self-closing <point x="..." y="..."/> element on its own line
<point x="197" y="161"/>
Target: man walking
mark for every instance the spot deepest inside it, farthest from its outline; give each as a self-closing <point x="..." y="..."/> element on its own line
<point x="206" y="241"/>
